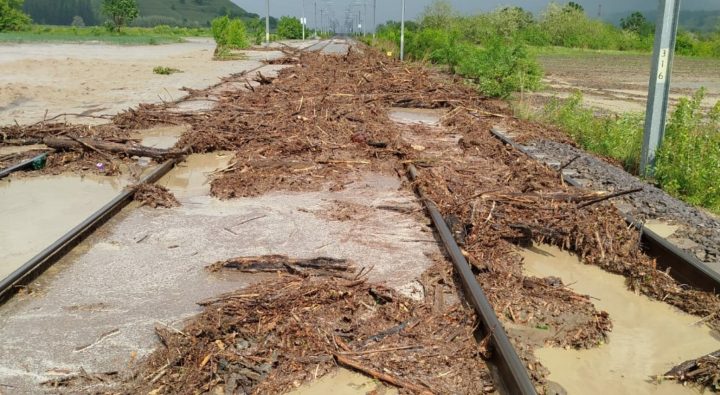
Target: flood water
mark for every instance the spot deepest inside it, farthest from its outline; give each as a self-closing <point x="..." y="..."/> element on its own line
<point x="422" y="116"/>
<point x="648" y="337"/>
<point x="37" y="211"/>
<point x="344" y="382"/>
<point x="191" y="177"/>
<point x="162" y="137"/>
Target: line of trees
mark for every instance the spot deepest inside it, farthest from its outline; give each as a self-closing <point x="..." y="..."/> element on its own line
<point x="54" y="12"/>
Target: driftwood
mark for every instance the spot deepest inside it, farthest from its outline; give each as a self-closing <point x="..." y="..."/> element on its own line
<point x="64" y="144"/>
<point x="397" y="382"/>
<point x="704" y="371"/>
<point x="275" y="263"/>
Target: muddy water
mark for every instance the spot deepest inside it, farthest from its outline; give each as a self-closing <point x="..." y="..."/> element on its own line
<point x="34" y="212"/>
<point x="162" y="137"/>
<point x="416" y="116"/>
<point x="192" y="177"/>
<point x="648" y="337"/>
<point x="344" y="382"/>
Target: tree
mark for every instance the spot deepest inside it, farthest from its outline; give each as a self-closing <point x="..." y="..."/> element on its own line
<point x="289" y="27"/>
<point x="78" y="21"/>
<point x="439" y="14"/>
<point x="11" y="16"/>
<point x="120" y="12"/>
<point x="574" y="7"/>
<point x="636" y="22"/>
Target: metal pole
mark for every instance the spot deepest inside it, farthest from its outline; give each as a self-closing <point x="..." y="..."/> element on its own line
<point x="659" y="86"/>
<point x="402" y="32"/>
<point x="374" y="15"/>
<point x="267" y="22"/>
<point x="315" y="20"/>
<point x="303" y="18"/>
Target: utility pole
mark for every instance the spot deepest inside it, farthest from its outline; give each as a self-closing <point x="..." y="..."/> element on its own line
<point x="374" y="14"/>
<point x="267" y="22"/>
<point x="659" y="86"/>
<point x="315" y="19"/>
<point x="402" y="32"/>
<point x="303" y="18"/>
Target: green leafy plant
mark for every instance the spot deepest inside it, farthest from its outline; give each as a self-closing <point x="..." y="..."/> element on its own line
<point x="119" y="13"/>
<point x="499" y="69"/>
<point x="228" y="34"/>
<point x="11" y="16"/>
<point x="688" y="162"/>
<point x="289" y="27"/>
<point x="163" y="70"/>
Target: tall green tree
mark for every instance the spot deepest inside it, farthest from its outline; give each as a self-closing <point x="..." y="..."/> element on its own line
<point x="289" y="27"/>
<point x="11" y="16"/>
<point x="120" y="12"/>
<point x="439" y="14"/>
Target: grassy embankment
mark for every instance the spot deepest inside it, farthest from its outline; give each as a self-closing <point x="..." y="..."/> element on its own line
<point x="127" y="36"/>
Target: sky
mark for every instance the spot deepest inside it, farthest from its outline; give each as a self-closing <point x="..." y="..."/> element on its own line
<point x="390" y="9"/>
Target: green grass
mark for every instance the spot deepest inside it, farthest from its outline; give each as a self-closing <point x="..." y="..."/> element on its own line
<point x="688" y="162"/>
<point x="127" y="36"/>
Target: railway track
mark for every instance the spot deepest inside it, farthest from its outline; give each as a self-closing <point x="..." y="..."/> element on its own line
<point x="685" y="268"/>
<point x="31" y="269"/>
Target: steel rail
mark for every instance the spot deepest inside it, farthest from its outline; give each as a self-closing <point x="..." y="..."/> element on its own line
<point x="685" y="268"/>
<point x="20" y="166"/>
<point x="36" y="265"/>
<point x="514" y="376"/>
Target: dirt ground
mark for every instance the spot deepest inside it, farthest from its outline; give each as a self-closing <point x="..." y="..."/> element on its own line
<point x="618" y="82"/>
<point x="44" y="80"/>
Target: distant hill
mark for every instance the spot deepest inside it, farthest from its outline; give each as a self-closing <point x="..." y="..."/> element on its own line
<point x="152" y="12"/>
<point x="693" y="20"/>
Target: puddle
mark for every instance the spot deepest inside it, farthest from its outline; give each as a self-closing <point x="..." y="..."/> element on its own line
<point x="648" y="337"/>
<point x="663" y="229"/>
<point x="191" y="177"/>
<point x="411" y="116"/>
<point x="36" y="211"/>
<point x="162" y="137"/>
<point x="344" y="382"/>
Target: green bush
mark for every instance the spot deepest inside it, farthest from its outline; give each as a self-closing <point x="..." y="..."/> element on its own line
<point x="618" y="137"/>
<point x="500" y="68"/>
<point x="688" y="162"/>
<point x="229" y="33"/>
<point x="119" y="13"/>
<point x="11" y="16"/>
<point x="289" y="27"/>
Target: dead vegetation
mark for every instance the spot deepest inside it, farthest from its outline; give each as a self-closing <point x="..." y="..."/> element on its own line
<point x="155" y="196"/>
<point x="271" y="337"/>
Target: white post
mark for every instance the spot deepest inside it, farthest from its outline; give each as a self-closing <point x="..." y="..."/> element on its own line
<point x="659" y="86"/>
<point x="303" y="18"/>
<point x="402" y="33"/>
<point x="267" y="22"/>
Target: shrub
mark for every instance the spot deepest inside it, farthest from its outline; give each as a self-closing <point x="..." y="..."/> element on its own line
<point x="688" y="162"/>
<point x="229" y="33"/>
<point x="289" y="27"/>
<point x="500" y="68"/>
<point x="77" y="21"/>
<point x="11" y="16"/>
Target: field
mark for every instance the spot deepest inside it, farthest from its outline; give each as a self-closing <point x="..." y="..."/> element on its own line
<point x="617" y="81"/>
<point x="128" y="36"/>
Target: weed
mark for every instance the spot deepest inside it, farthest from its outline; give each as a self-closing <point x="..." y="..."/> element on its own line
<point x="688" y="162"/>
<point x="163" y="70"/>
